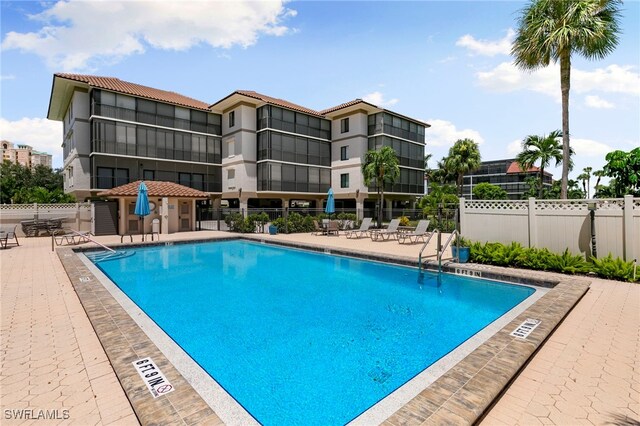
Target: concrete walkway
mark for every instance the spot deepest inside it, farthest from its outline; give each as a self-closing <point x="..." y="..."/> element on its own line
<point x="587" y="373"/>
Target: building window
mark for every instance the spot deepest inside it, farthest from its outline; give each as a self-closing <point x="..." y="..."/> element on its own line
<point x="344" y="153"/>
<point x="70" y="177"/>
<point x="344" y="125"/>
<point x="232" y="119"/>
<point x="184" y="179"/>
<point x="344" y="180"/>
<point x="231" y="147"/>
<point x="108" y="177"/>
<point x="231" y="179"/>
<point x="148" y="175"/>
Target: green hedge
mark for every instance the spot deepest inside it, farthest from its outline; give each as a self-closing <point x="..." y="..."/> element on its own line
<point x="296" y="222"/>
<point x="544" y="260"/>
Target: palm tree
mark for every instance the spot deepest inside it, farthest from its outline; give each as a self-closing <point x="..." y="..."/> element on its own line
<point x="464" y="157"/>
<point x="551" y="30"/>
<point x="583" y="177"/>
<point x="380" y="167"/>
<point x="587" y="171"/>
<point x="599" y="174"/>
<point x="543" y="149"/>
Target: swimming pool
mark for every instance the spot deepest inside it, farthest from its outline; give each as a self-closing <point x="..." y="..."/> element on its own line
<point x="298" y="337"/>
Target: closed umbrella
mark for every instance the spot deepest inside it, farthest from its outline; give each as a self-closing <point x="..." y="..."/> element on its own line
<point x="142" y="204"/>
<point x="331" y="204"/>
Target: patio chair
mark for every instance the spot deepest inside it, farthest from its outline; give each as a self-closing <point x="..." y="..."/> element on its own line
<point x="70" y="236"/>
<point x="363" y="231"/>
<point x="333" y="227"/>
<point x="420" y="233"/>
<point x="386" y="234"/>
<point x="10" y="234"/>
<point x="317" y="229"/>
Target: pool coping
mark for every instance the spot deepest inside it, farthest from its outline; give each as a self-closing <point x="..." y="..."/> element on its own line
<point x="461" y="395"/>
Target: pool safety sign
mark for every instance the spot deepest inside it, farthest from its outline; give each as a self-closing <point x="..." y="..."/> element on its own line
<point x="525" y="329"/>
<point x="152" y="376"/>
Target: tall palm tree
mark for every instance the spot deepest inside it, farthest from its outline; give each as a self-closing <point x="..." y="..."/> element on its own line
<point x="464" y="157"/>
<point x="599" y="174"/>
<point x="380" y="167"/>
<point x="541" y="149"/>
<point x="587" y="171"/>
<point x="583" y="177"/>
<point x="552" y="30"/>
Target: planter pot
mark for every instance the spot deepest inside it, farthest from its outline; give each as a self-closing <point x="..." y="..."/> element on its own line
<point x="273" y="230"/>
<point x="465" y="252"/>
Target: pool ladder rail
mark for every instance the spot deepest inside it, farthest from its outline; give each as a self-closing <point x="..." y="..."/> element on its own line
<point x="440" y="248"/>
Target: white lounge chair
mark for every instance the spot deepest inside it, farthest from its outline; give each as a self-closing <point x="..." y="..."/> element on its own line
<point x="420" y="233"/>
<point x="363" y="231"/>
<point x="386" y="234"/>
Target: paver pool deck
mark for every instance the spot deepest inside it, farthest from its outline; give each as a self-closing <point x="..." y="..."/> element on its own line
<point x="588" y="371"/>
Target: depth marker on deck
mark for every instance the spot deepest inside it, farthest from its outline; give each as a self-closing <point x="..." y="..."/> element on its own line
<point x="524" y="330"/>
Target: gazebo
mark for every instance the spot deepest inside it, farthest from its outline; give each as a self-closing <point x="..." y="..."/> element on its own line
<point x="172" y="204"/>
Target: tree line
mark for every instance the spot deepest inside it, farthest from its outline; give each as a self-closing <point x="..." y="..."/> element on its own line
<point x="20" y="185"/>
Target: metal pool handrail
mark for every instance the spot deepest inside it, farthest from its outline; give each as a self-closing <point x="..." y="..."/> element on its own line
<point x="425" y="246"/>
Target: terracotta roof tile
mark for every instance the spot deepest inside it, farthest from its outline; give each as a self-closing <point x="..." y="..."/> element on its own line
<point x="154" y="189"/>
<point x="344" y="105"/>
<point x="278" y="102"/>
<point x="514" y="167"/>
<point x="120" y="86"/>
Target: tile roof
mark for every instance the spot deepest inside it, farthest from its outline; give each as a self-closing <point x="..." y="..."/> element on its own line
<point x="344" y="105"/>
<point x="154" y="189"/>
<point x="120" y="86"/>
<point x="277" y="101"/>
<point x="514" y="167"/>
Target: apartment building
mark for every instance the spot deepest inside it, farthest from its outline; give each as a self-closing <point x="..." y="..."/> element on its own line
<point x="24" y="155"/>
<point x="248" y="148"/>
<point x="507" y="174"/>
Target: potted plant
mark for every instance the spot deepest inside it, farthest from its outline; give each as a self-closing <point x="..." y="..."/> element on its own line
<point x="460" y="248"/>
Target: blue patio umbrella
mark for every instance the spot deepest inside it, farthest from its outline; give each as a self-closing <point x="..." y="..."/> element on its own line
<point x="142" y="204"/>
<point x="331" y="204"/>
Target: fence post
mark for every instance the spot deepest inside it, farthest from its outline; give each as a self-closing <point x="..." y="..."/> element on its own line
<point x="462" y="215"/>
<point x="627" y="228"/>
<point x="35" y="209"/>
<point x="533" y="224"/>
<point x="78" y="216"/>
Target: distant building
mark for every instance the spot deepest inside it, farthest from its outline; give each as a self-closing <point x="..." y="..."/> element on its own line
<point x="24" y="155"/>
<point x="506" y="174"/>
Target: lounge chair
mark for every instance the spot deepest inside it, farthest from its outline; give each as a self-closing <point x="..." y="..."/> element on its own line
<point x="363" y="231"/>
<point x="70" y="236"/>
<point x="9" y="234"/>
<point x="420" y="233"/>
<point x="318" y="230"/>
<point x="386" y="234"/>
<point x="333" y="227"/>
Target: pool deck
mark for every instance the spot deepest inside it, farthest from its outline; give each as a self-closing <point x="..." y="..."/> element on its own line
<point x="587" y="372"/>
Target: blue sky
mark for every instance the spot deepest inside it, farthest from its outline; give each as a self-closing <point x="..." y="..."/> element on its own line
<point x="443" y="62"/>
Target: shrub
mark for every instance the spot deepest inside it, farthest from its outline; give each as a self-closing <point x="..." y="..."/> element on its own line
<point x="617" y="269"/>
<point x="568" y="263"/>
<point x="404" y="221"/>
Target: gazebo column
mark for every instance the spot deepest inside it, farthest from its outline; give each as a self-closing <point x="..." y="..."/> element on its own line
<point x="122" y="217"/>
<point x="164" y="217"/>
<point x="193" y="215"/>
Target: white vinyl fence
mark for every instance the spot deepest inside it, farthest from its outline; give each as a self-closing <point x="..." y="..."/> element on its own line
<point x="73" y="215"/>
<point x="556" y="224"/>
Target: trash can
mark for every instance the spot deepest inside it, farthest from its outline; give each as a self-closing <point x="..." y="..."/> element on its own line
<point x="273" y="230"/>
<point x="155" y="226"/>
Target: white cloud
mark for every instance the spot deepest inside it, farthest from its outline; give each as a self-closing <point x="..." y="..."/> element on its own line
<point x="446" y="60"/>
<point x="487" y="47"/>
<point x="378" y="99"/>
<point x="514" y="148"/>
<point x="590" y="148"/>
<point x="613" y="79"/>
<point x="7" y="77"/>
<point x="39" y="133"/>
<point x="593" y="101"/>
<point x="444" y="133"/>
<point x="77" y="35"/>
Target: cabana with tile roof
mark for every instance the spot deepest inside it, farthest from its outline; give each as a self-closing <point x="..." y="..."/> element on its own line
<point x="174" y="205"/>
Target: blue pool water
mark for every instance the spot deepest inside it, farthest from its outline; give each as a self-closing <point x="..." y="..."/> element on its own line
<point x="305" y="338"/>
